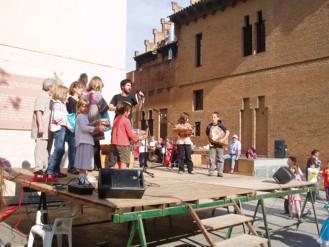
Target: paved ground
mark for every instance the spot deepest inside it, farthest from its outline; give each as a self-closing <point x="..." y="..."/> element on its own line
<point x="159" y="233"/>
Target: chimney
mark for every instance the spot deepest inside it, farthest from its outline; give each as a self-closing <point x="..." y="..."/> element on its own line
<point x="137" y="53"/>
<point x="193" y="1"/>
<point x="149" y="46"/>
<point x="158" y="36"/>
<point x="171" y="36"/>
<point x="165" y="25"/>
<point x="175" y="7"/>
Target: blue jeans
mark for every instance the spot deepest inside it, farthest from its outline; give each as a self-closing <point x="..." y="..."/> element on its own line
<point x="59" y="150"/>
<point x="233" y="159"/>
<point x="71" y="148"/>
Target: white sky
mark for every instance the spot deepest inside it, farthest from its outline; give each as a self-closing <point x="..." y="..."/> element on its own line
<point x="142" y="17"/>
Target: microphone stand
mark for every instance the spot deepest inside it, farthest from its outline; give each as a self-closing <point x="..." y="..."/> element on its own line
<point x="146" y="151"/>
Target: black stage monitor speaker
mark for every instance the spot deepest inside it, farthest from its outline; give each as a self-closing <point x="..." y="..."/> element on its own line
<point x="120" y="183"/>
<point x="279" y="149"/>
<point x="80" y="189"/>
<point x="283" y="175"/>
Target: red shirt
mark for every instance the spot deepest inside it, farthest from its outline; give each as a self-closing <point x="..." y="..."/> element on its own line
<point x="122" y="132"/>
<point x="325" y="175"/>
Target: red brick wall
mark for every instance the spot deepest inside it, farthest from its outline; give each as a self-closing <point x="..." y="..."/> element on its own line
<point x="296" y="31"/>
<point x="292" y="75"/>
<point x="17" y="94"/>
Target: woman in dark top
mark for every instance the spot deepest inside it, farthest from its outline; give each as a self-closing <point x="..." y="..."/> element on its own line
<point x="75" y="92"/>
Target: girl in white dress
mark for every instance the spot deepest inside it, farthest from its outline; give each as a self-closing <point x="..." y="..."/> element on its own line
<point x="84" y="141"/>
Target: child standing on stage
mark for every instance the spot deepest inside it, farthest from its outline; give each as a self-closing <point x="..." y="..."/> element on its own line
<point x="94" y="92"/>
<point x="75" y="92"/>
<point x="184" y="143"/>
<point x="122" y="134"/>
<point x="58" y="126"/>
<point x="84" y="141"/>
<point x="325" y="175"/>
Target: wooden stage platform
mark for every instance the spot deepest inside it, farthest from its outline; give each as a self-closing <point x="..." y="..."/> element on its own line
<point x="166" y="188"/>
<point x="170" y="193"/>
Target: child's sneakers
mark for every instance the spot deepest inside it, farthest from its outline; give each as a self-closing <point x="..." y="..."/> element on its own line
<point x="83" y="180"/>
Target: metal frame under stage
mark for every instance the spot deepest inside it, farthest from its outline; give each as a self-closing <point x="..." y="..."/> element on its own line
<point x="137" y="217"/>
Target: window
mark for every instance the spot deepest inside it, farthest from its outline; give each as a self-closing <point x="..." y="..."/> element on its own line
<point x="247" y="37"/>
<point x="143" y="121"/>
<point x="198" y="46"/>
<point x="197" y="128"/>
<point x="150" y="114"/>
<point x="150" y="123"/>
<point x="260" y="26"/>
<point x="198" y="100"/>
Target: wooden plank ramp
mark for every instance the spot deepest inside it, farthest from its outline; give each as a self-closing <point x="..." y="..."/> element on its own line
<point x="244" y="240"/>
<point x="225" y="221"/>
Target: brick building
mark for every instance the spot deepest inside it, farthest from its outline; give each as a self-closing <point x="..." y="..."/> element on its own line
<point x="264" y="65"/>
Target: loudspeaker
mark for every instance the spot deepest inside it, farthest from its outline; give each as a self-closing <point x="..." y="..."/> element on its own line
<point x="80" y="189"/>
<point x="279" y="149"/>
<point x="120" y="183"/>
<point x="283" y="175"/>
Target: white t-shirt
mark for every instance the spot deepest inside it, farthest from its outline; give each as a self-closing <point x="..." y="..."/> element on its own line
<point x="143" y="146"/>
<point x="235" y="147"/>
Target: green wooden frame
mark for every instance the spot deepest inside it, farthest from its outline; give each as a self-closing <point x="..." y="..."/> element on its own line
<point x="137" y="217"/>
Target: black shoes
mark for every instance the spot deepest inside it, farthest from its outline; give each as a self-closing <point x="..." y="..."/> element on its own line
<point x="38" y="172"/>
<point x="73" y="171"/>
<point x="60" y="175"/>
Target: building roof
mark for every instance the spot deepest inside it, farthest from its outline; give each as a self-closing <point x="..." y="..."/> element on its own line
<point x="201" y="9"/>
<point x="152" y="55"/>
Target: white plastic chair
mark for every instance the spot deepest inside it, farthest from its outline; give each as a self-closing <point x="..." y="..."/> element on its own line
<point x="61" y="226"/>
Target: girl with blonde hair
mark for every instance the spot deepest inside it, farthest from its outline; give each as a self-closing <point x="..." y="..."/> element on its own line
<point x="84" y="141"/>
<point x="58" y="126"/>
<point x="95" y="98"/>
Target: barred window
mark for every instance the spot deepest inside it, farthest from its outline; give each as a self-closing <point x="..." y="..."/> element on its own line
<point x="260" y="26"/>
<point x="198" y="47"/>
<point x="247" y="37"/>
<point x="198" y="100"/>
